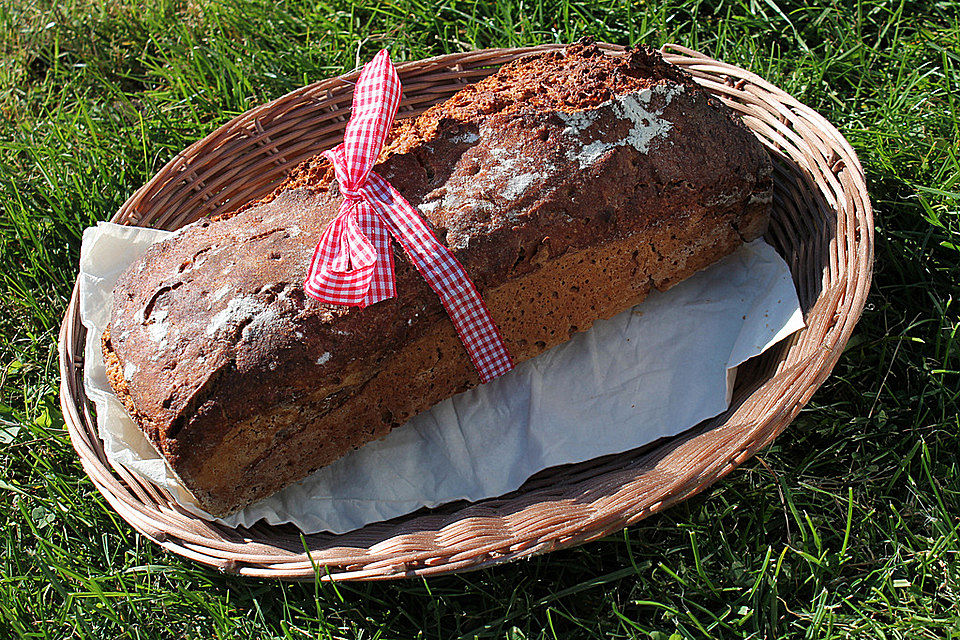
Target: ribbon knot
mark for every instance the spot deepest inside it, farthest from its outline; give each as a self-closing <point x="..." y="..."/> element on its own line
<point x="353" y="261"/>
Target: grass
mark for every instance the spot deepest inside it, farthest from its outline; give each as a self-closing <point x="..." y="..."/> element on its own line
<point x="847" y="527"/>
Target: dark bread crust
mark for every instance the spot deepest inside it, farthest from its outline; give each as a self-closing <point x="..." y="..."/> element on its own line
<point x="568" y="184"/>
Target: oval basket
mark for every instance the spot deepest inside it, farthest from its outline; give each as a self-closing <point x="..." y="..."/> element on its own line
<point x="822" y="225"/>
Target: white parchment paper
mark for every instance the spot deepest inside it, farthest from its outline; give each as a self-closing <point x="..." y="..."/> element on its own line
<point x="650" y="372"/>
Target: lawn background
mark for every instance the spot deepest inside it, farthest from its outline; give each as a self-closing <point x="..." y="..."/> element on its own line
<point x="846" y="527"/>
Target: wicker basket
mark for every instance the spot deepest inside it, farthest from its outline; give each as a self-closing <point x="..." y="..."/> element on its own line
<point x="822" y="226"/>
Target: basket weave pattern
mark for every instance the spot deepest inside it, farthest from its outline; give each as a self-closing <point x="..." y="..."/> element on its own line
<point x="822" y="225"/>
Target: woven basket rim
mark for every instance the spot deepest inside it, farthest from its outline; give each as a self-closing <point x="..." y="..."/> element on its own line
<point x="821" y="187"/>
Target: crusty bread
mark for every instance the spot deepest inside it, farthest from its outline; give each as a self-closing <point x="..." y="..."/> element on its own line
<point x="568" y="185"/>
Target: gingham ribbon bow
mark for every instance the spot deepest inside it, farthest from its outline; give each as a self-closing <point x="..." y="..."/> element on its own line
<point x="353" y="262"/>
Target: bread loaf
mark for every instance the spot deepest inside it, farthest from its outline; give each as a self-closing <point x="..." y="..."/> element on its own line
<point x="569" y="184"/>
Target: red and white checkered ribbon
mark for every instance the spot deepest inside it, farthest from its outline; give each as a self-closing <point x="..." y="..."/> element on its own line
<point x="353" y="262"/>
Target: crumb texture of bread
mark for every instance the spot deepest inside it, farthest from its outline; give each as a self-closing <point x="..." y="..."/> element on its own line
<point x="569" y="184"/>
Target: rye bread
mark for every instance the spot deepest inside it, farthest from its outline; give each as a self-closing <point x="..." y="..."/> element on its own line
<point x="569" y="184"/>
